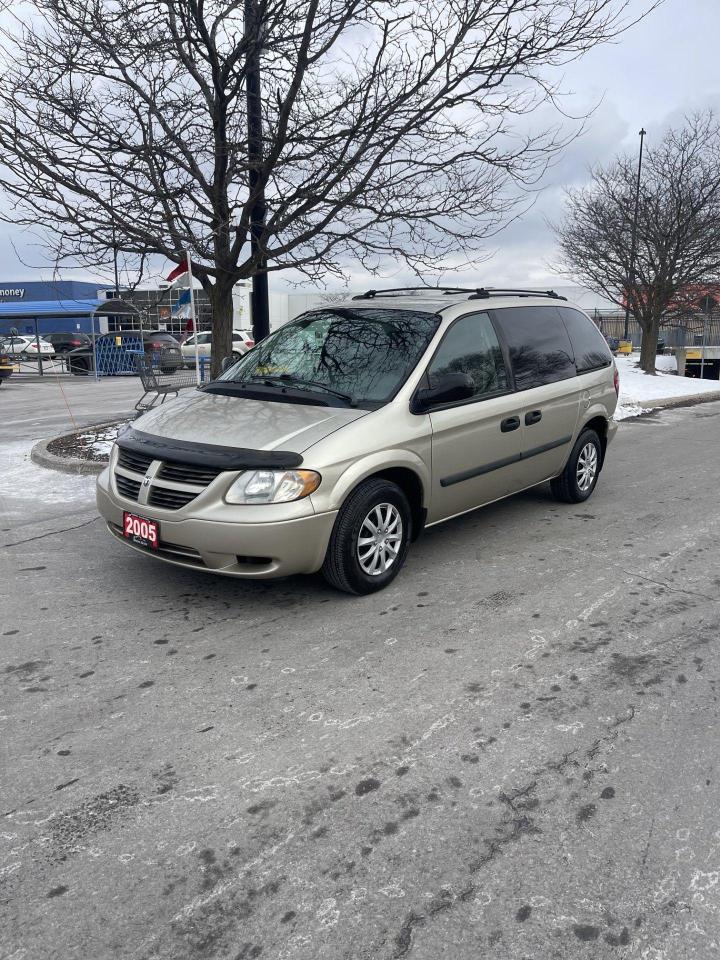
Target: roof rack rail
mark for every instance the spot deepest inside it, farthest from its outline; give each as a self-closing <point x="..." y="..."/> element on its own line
<point x="476" y="293"/>
<point x="484" y="293"/>
<point x="371" y="294"/>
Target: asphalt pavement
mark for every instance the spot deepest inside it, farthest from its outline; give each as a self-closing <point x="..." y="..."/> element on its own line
<point x="35" y="408"/>
<point x="513" y="752"/>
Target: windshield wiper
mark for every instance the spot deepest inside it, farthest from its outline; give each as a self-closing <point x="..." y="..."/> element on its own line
<point x="290" y="380"/>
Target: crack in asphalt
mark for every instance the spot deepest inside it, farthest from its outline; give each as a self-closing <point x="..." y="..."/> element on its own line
<point x="50" y="533"/>
<point x="668" y="586"/>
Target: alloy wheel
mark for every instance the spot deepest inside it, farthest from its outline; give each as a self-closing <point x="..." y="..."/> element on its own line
<point x="587" y="467"/>
<point x="380" y="539"/>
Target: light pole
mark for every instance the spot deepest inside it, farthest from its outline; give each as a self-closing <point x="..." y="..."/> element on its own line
<point x="633" y="238"/>
<point x="259" y="296"/>
<point x="114" y="238"/>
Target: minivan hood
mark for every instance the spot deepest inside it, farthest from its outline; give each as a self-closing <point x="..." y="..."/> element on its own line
<point x="241" y="422"/>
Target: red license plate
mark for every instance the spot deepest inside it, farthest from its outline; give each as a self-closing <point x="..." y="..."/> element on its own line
<point x="145" y="533"/>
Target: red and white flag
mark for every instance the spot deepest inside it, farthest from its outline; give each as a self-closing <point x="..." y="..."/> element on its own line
<point x="180" y="271"/>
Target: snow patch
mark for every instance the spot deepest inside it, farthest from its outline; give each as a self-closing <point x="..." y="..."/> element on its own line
<point x="639" y="391"/>
<point x="25" y="482"/>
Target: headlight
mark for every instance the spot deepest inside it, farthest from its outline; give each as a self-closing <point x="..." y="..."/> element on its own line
<point x="273" y="486"/>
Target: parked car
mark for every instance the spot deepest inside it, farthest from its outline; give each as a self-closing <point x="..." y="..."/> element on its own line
<point x="65" y="342"/>
<point x="81" y="360"/>
<point x="6" y="367"/>
<point x="335" y="441"/>
<point x="242" y="342"/>
<point x="26" y="347"/>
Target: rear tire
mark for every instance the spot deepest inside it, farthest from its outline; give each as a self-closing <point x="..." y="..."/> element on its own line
<point x="580" y="476"/>
<point x="358" y="560"/>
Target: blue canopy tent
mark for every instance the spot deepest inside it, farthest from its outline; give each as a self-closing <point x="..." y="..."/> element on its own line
<point x="36" y="318"/>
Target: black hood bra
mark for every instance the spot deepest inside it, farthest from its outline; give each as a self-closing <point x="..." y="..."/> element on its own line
<point x="207" y="454"/>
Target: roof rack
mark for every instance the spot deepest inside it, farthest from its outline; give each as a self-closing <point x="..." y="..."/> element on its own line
<point x="476" y="293"/>
<point x="484" y="293"/>
<point x="392" y="291"/>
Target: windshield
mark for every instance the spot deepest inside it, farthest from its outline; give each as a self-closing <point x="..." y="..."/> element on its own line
<point x="354" y="355"/>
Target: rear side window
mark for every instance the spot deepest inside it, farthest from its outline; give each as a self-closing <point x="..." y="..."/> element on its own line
<point x="471" y="346"/>
<point x="591" y="350"/>
<point x="540" y="349"/>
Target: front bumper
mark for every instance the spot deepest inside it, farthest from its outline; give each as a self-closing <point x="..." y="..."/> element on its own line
<point x="248" y="550"/>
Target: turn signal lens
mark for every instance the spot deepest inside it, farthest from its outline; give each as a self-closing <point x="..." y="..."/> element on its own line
<point x="273" y="486"/>
<point x="616" y="380"/>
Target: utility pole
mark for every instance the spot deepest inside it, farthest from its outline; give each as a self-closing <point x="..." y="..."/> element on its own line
<point x="633" y="239"/>
<point x="259" y="299"/>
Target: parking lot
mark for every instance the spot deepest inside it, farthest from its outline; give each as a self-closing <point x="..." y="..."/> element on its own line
<point x="511" y="752"/>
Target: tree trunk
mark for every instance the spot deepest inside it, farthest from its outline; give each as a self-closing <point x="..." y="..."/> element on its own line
<point x="648" y="348"/>
<point x="222" y="325"/>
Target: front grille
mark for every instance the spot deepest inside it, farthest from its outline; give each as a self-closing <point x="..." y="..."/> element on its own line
<point x="187" y="473"/>
<point x="170" y="499"/>
<point x="137" y="462"/>
<point x="127" y="487"/>
<point x="191" y="478"/>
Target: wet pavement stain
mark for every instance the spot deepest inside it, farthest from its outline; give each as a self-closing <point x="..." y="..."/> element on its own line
<point x="367" y="786"/>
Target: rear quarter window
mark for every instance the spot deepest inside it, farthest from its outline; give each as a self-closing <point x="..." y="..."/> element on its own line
<point x="539" y="345"/>
<point x="589" y="346"/>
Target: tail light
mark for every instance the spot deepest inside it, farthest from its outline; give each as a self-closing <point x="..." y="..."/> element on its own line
<point x="249" y="343"/>
<point x="156" y="344"/>
<point x="76" y="343"/>
<point x="616" y="380"/>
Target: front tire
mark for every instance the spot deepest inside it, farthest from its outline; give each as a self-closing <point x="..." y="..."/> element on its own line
<point x="79" y="368"/>
<point x="580" y="476"/>
<point x="370" y="538"/>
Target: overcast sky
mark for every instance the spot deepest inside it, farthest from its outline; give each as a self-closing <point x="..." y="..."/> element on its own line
<point x="660" y="70"/>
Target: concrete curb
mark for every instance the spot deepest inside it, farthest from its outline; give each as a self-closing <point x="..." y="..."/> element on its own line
<point x="43" y="458"/>
<point x="688" y="401"/>
<point x="40" y="454"/>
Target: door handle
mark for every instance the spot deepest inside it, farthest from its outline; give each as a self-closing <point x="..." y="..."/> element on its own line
<point x="535" y="416"/>
<point x="509" y="423"/>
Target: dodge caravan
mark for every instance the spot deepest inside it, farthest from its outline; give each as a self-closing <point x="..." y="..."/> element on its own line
<point x="334" y="442"/>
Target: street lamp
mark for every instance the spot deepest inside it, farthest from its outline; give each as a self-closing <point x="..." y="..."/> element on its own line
<point x="633" y="239"/>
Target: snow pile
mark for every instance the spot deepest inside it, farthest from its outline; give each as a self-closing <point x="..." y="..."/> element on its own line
<point x="640" y="391"/>
<point x="27" y="490"/>
<point x="91" y="443"/>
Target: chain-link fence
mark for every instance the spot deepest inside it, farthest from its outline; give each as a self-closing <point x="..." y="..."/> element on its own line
<point x="689" y="331"/>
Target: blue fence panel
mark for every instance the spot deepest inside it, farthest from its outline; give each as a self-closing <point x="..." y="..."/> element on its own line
<point x="115" y="355"/>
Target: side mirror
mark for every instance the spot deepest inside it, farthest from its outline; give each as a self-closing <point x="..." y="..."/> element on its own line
<point x="449" y="389"/>
<point x="226" y="363"/>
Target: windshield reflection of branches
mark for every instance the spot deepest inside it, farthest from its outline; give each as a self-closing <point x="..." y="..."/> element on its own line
<point x="364" y="353"/>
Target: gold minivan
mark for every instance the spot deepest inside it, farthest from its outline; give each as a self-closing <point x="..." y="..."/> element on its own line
<point x="334" y="442"/>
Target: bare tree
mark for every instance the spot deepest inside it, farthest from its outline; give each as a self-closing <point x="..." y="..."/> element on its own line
<point x="390" y="127"/>
<point x="678" y="237"/>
